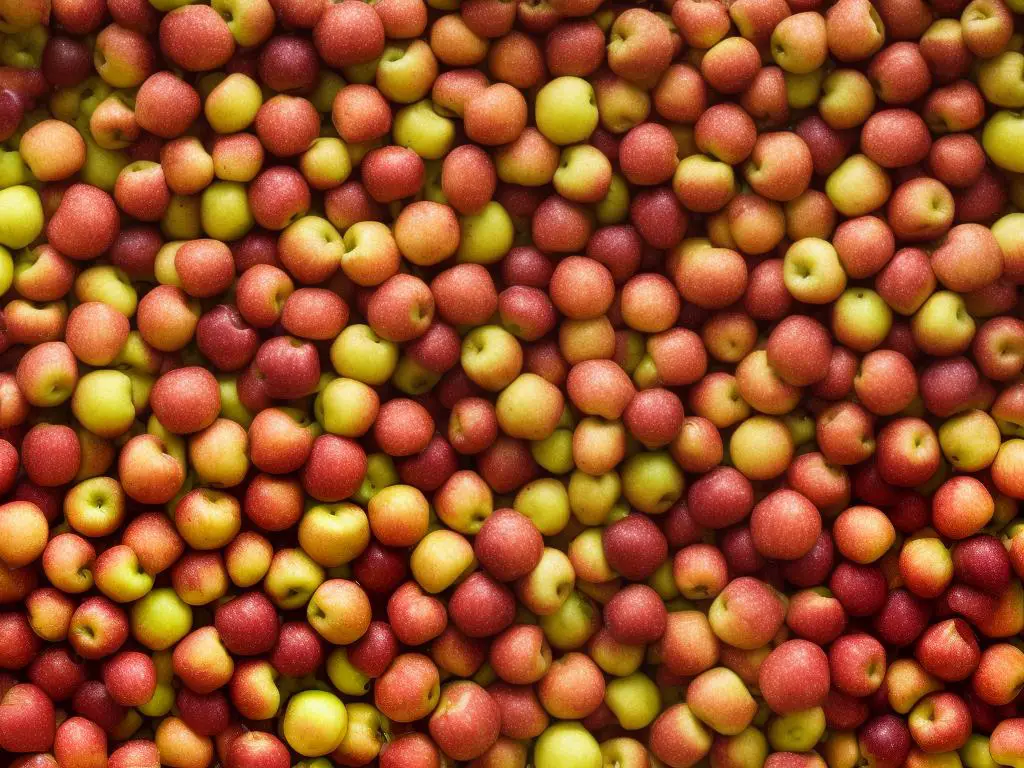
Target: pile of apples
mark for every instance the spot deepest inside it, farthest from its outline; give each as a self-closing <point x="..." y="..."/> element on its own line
<point x="552" y="383"/>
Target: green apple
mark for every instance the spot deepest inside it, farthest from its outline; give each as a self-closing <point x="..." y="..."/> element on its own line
<point x="485" y="676"/>
<point x="575" y="622"/>
<point x="847" y="99"/>
<point x="102" y="166"/>
<point x="346" y="407"/>
<point x="554" y="452"/>
<point x="380" y="473"/>
<point x="412" y="378"/>
<point x="546" y="502"/>
<point x="345" y="676"/>
<point x="102" y="403"/>
<point x="858" y="186"/>
<point x="233" y="103"/>
<point x="404" y="73"/>
<point x="634" y="700"/>
<point x="231" y="406"/>
<point x="970" y="440"/>
<point x="23" y="49"/>
<point x="137" y="355"/>
<point x="803" y="90"/>
<point x="292" y="579"/>
<point x="95" y="507"/>
<point x="6" y="270"/>
<point x="975" y="753"/>
<point x="591" y="498"/>
<point x="943" y="326"/>
<point x="1009" y="232"/>
<point x="442" y="558"/>
<point x="326" y="164"/>
<point x="109" y="285"/>
<point x="325" y="89"/>
<point x="334" y="534"/>
<point x="162" y="700"/>
<point x="486" y="236"/>
<point x="1002" y="139"/>
<point x="209" y="81"/>
<point x="182" y="219"/>
<point x="363" y="74"/>
<point x="359" y="353"/>
<point x="160" y="619"/>
<point x="645" y="374"/>
<point x="663" y="582"/>
<point x="76" y="104"/>
<point x="615" y="658"/>
<point x="142" y="385"/>
<point x="797" y="731"/>
<point x="21" y="216"/>
<point x="812" y="272"/>
<point x="431" y="189"/>
<point x="861" y="319"/>
<point x="224" y="211"/>
<point x="1000" y="79"/>
<point x="652" y="482"/>
<point x="314" y="723"/>
<point x="119" y="575"/>
<point x="566" y="110"/>
<point x="491" y="357"/>
<point x="613" y="208"/>
<point x="546" y="588"/>
<point x="13" y="169"/>
<point x="801" y="426"/>
<point x="567" y="745"/>
<point x="250" y="21"/>
<point x="163" y="266"/>
<point x="422" y="130"/>
<point x="529" y="408"/>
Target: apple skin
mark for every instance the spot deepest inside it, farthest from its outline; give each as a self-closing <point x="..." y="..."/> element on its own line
<point x="720" y="700"/>
<point x="789" y="514"/>
<point x="977" y="562"/>
<point x="940" y="722"/>
<point x="677" y="737"/>
<point x="130" y="677"/>
<point x="465" y="722"/>
<point x="139" y="752"/>
<point x="23" y="525"/>
<point x="884" y="740"/>
<point x="80" y="742"/>
<point x="863" y="534"/>
<point x="1005" y="741"/>
<point x="409" y="689"/>
<point x="317" y="741"/>
<point x="775" y="681"/>
<point x="953" y="645"/>
<point x="27" y="719"/>
<point x="747" y="613"/>
<point x="493" y="552"/>
<point x="201" y="659"/>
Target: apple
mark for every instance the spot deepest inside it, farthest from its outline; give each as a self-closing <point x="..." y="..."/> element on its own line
<point x="532" y="376"/>
<point x="568" y="744"/>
